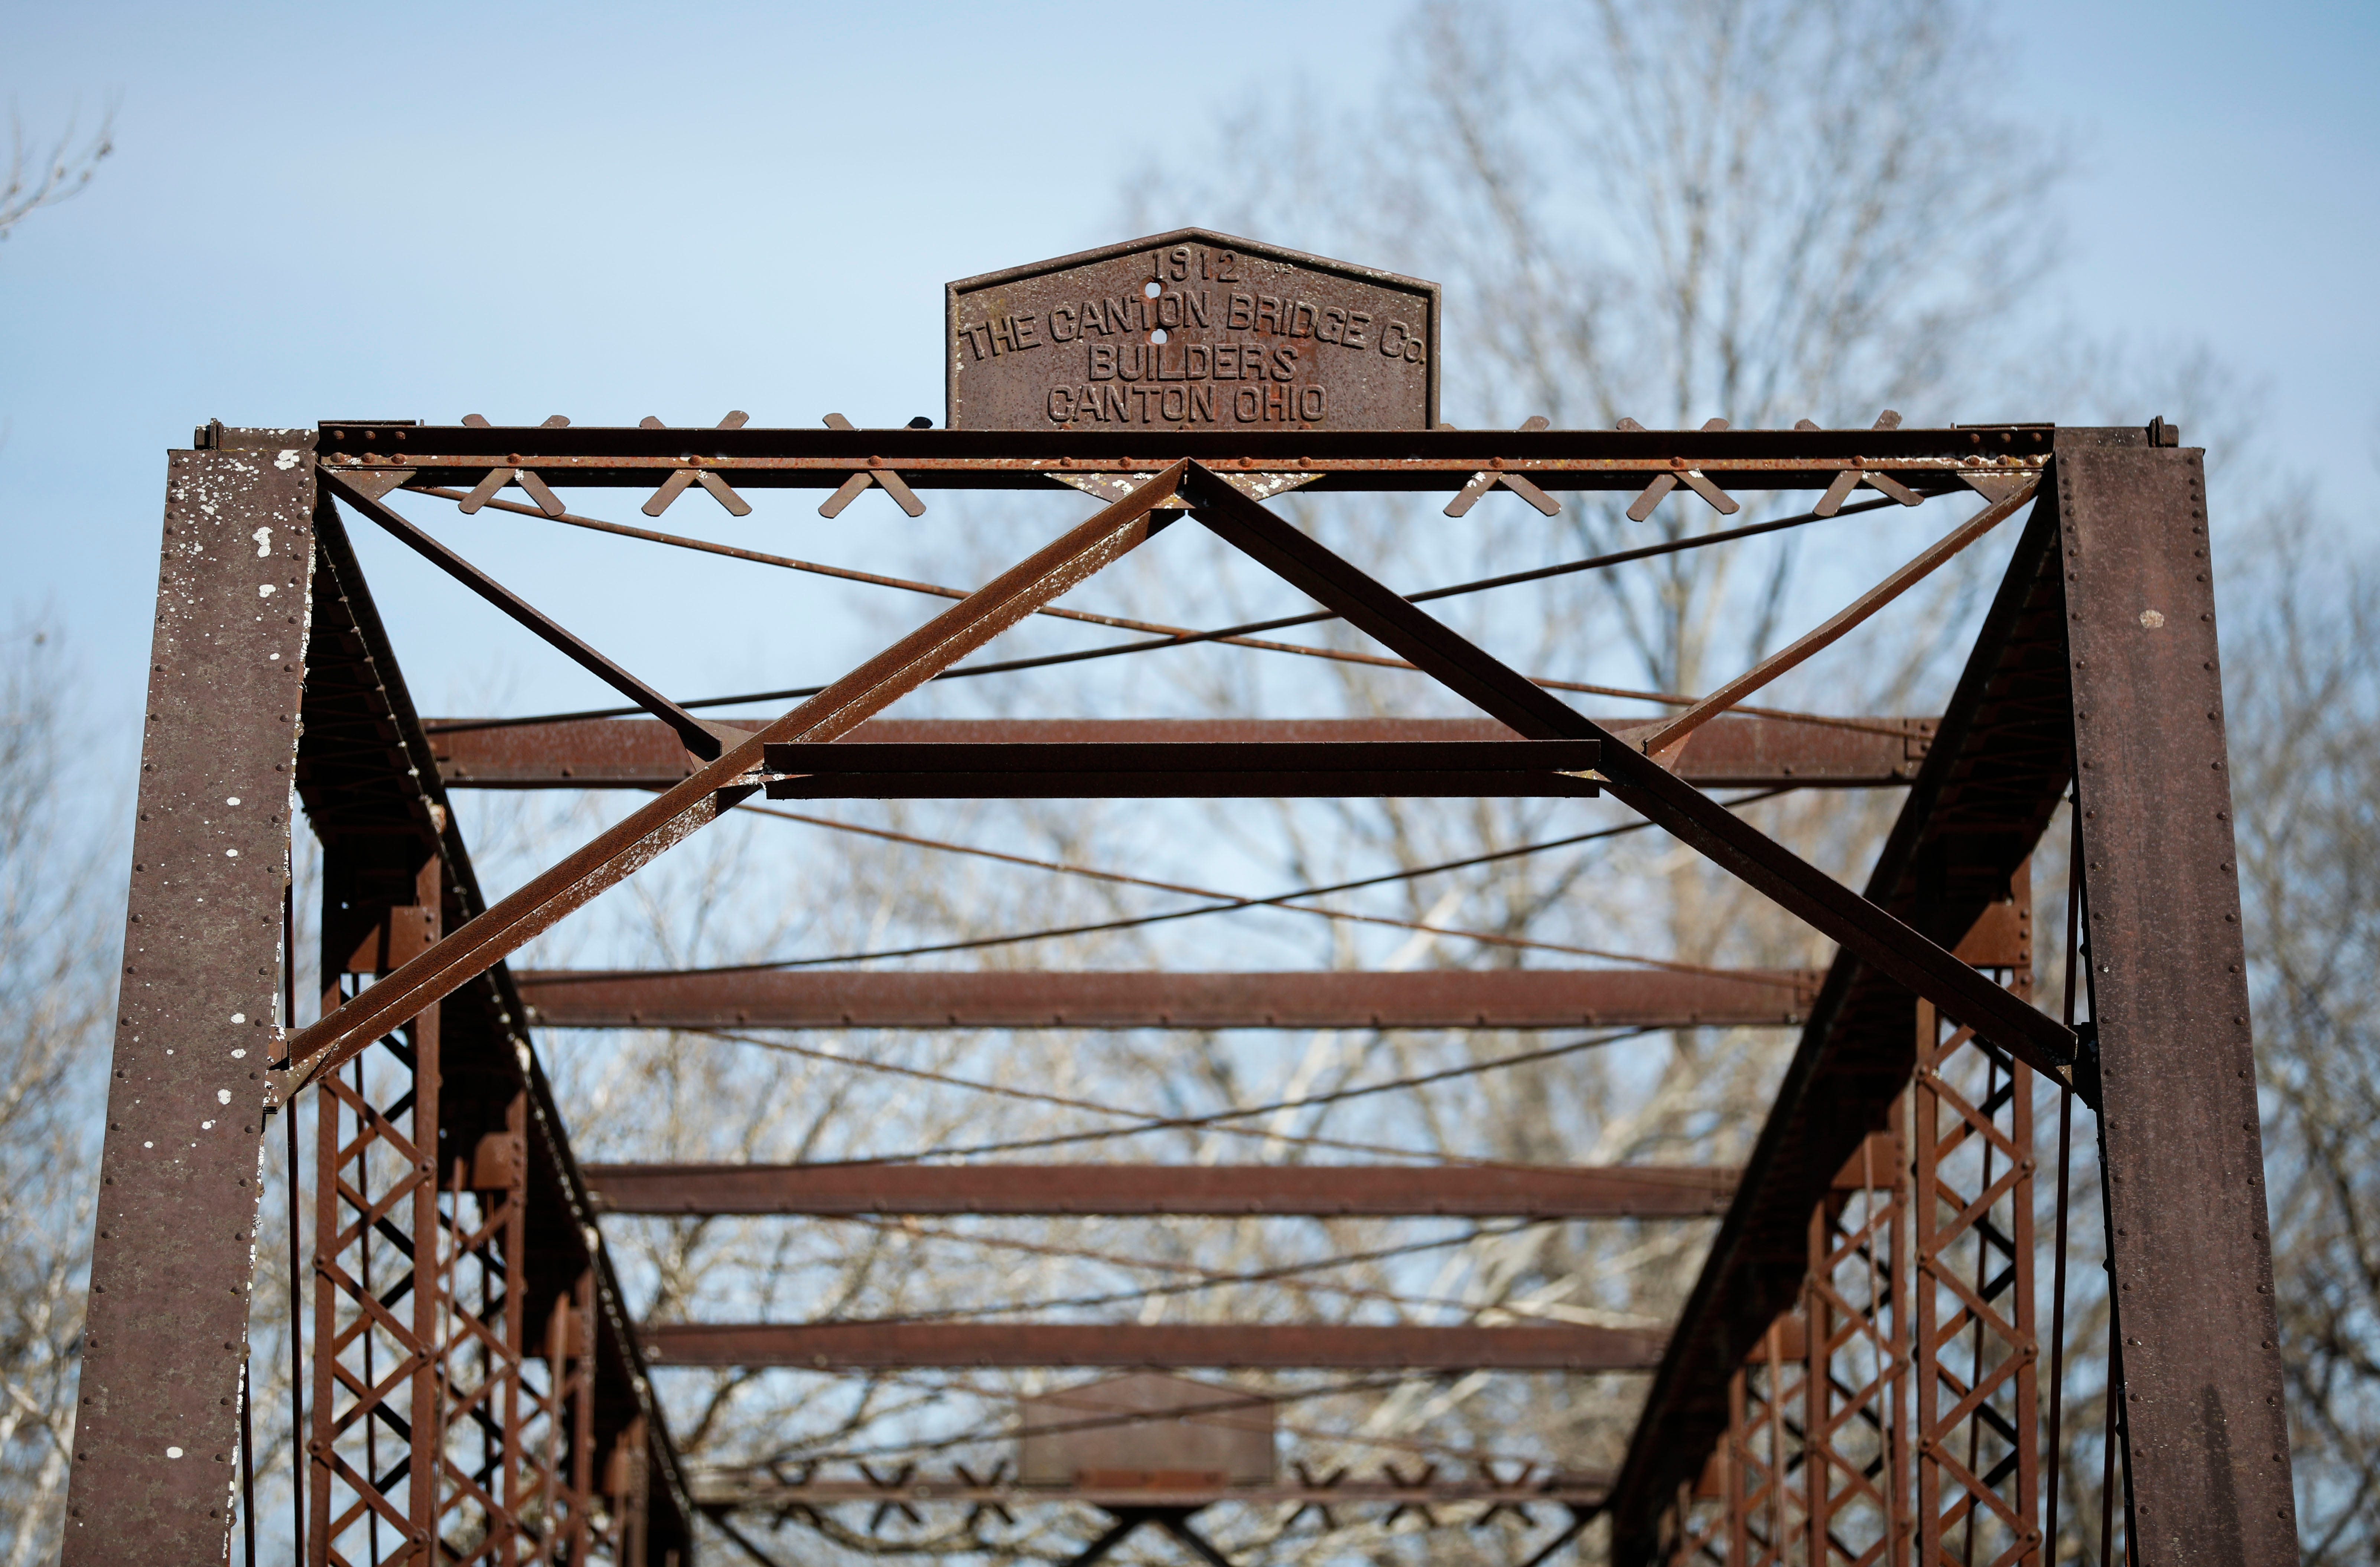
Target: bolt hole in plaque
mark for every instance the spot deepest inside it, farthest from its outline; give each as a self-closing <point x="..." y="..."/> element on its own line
<point x="1158" y="336"/>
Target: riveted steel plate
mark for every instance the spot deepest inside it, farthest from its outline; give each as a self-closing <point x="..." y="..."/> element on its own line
<point x="172" y="1266"/>
<point x="1192" y="330"/>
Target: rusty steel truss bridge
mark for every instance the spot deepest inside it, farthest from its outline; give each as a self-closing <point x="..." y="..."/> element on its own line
<point x="1861" y="1373"/>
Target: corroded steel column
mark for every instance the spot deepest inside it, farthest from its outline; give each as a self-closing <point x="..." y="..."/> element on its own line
<point x="2206" y="1441"/>
<point x="158" y="1422"/>
<point x="376" y="1402"/>
<point x="1976" y="1353"/>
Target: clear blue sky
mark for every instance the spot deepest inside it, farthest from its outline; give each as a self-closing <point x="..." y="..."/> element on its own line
<point x="610" y="210"/>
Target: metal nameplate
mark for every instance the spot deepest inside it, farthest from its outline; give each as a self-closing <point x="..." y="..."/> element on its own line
<point x="1192" y="330"/>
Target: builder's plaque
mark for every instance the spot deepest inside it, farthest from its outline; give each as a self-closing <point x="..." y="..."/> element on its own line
<point x="1192" y="330"/>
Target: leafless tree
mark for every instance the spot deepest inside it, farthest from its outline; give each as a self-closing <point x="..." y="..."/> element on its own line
<point x="1755" y="210"/>
<point x="44" y="173"/>
<point x="58" y="942"/>
<point x="2303" y="700"/>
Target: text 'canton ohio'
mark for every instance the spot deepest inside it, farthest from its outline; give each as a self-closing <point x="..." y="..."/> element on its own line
<point x="1119" y="359"/>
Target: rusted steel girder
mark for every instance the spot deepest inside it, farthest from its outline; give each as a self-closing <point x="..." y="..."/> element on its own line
<point x="1371" y="1191"/>
<point x="158" y="1418"/>
<point x="483" y="1376"/>
<point x="1990" y="782"/>
<point x="827" y="1346"/>
<point x="1737" y="751"/>
<point x="691" y="731"/>
<point x="1488" y="997"/>
<point x="1865" y="929"/>
<point x="658" y="826"/>
<point x="1928" y="461"/>
<point x="761" y="1492"/>
<point x="2101" y="642"/>
<point x="1176" y="769"/>
<point x="2205" y="1438"/>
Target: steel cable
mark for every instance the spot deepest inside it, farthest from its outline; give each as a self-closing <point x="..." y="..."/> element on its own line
<point x="1173" y="636"/>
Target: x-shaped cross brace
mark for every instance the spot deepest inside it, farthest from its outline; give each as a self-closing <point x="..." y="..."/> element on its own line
<point x="1517" y="1509"/>
<point x="1851" y="479"/>
<point x="893" y="1481"/>
<point x="1175" y="1521"/>
<point x="874" y="473"/>
<point x="1487" y="479"/>
<point x="679" y="482"/>
<point x="1398" y="1477"/>
<point x="1642" y="506"/>
<point x="485" y="491"/>
<point x="1320" y="1508"/>
<point x="967" y="1477"/>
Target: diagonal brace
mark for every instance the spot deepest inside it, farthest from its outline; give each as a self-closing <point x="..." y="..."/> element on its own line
<point x="1870" y="933"/>
<point x="645" y="834"/>
<point x="691" y="729"/>
<point x="1176" y="1522"/>
<point x="1667" y="738"/>
<point x="1114" y="1535"/>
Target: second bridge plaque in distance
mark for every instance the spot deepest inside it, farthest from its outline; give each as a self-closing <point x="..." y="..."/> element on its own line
<point x="1192" y="330"/>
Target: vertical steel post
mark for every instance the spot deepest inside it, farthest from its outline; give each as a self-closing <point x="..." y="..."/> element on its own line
<point x="429" y="1414"/>
<point x="172" y="1264"/>
<point x="2206" y="1438"/>
<point x="376" y="1386"/>
<point x="1857" y="1358"/>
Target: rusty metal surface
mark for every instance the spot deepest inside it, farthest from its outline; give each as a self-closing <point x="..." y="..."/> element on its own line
<point x="2115" y="557"/>
<point x="1148" y="1423"/>
<point x="1440" y="461"/>
<point x="2207" y="1443"/>
<point x="1498" y="997"/>
<point x="1993" y="775"/>
<point x="1670" y="735"/>
<point x="614" y="854"/>
<point x="761" y="1492"/>
<point x="1814" y="1465"/>
<point x="1876" y="935"/>
<point x="371" y="795"/>
<point x="826" y="1346"/>
<point x="689" y="729"/>
<point x="1174" y="769"/>
<point x="198" y="1015"/>
<point x="1192" y="330"/>
<point x="636" y="753"/>
<point x="1975" y="1358"/>
<point x="1373" y="1191"/>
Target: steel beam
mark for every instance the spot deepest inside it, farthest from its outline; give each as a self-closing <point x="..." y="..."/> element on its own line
<point x="741" y="1490"/>
<point x="524" y="1223"/>
<point x="158" y="1418"/>
<point x="840" y="1346"/>
<point x="645" y="834"/>
<point x="2207" y="1441"/>
<point x="1737" y="751"/>
<point x="1439" y="460"/>
<point x="690" y="730"/>
<point x="1991" y="781"/>
<point x="1374" y="1191"/>
<point x="1490" y="998"/>
<point x="1177" y="770"/>
<point x="1877" y="936"/>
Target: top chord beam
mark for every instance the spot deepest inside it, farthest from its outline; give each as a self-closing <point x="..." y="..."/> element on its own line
<point x="1928" y="461"/>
